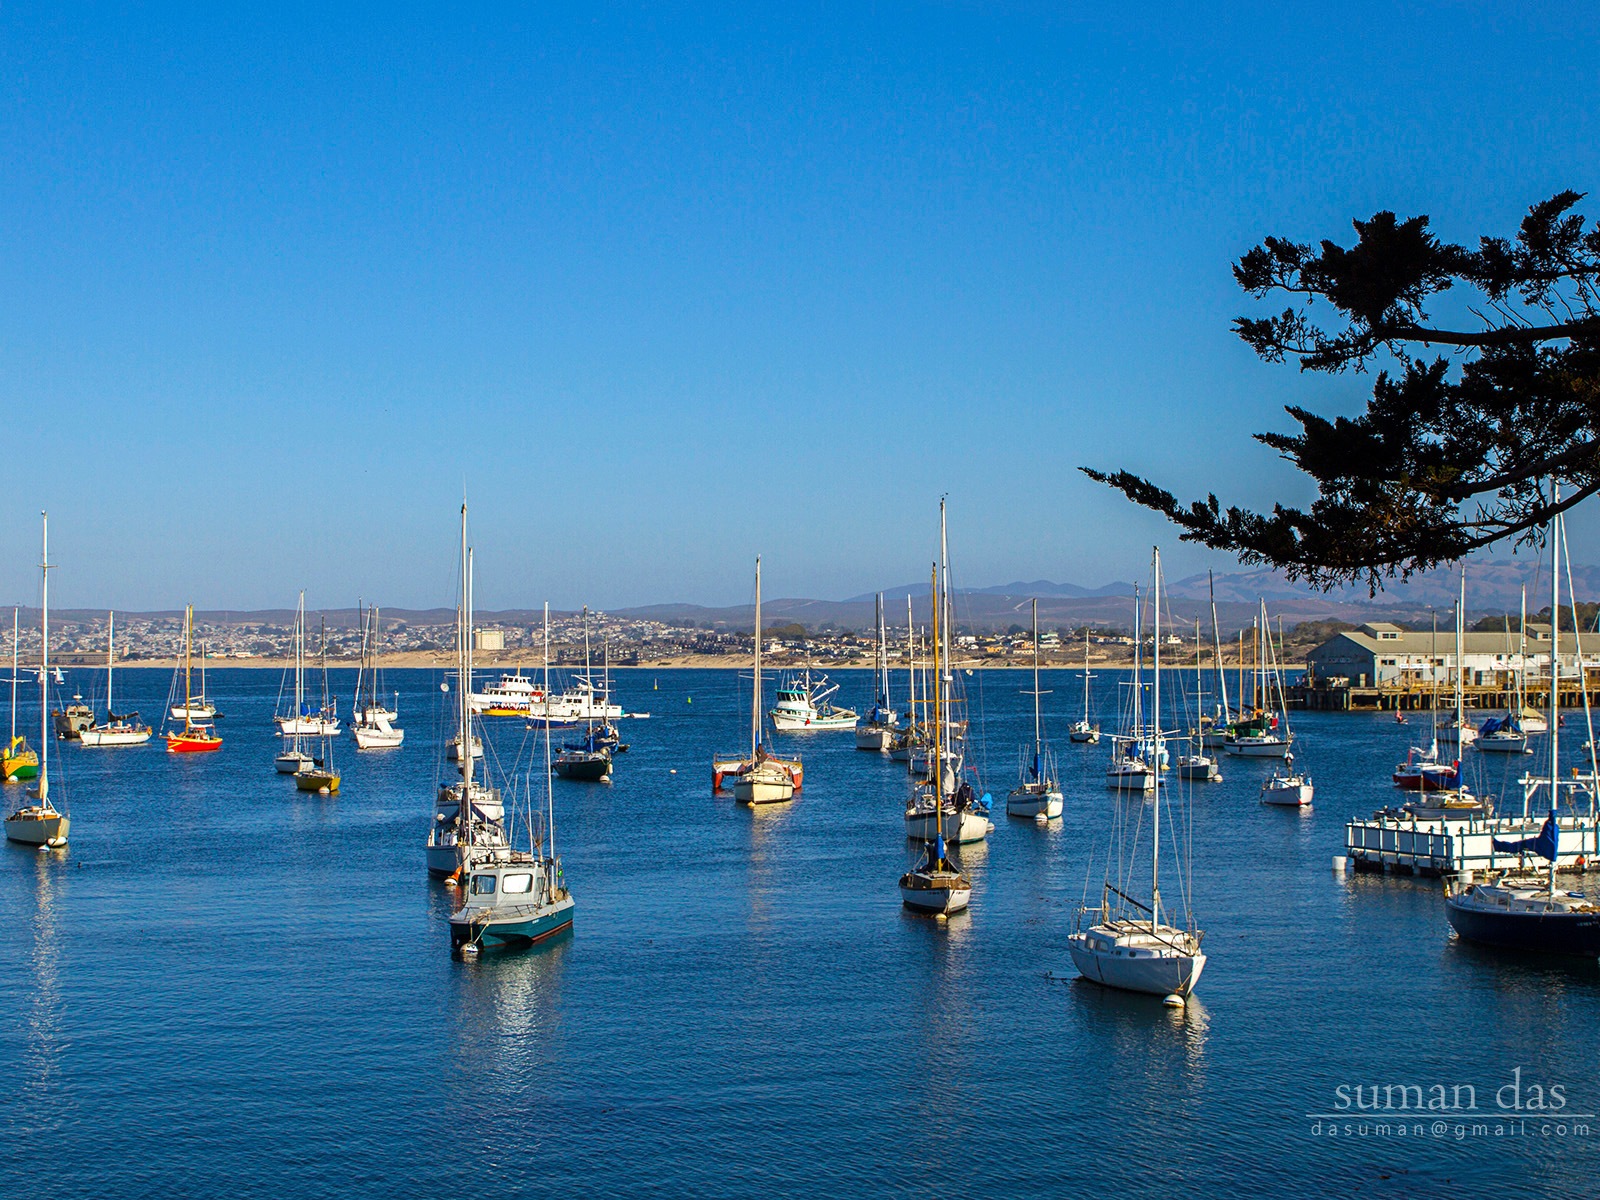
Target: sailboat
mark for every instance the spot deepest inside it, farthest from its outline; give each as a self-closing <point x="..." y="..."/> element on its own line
<point x="1132" y="944"/>
<point x="935" y="886"/>
<point x="876" y="727"/>
<point x="1520" y="911"/>
<point x="1287" y="787"/>
<point x="760" y="779"/>
<point x="943" y="803"/>
<point x="196" y="710"/>
<point x="906" y="741"/>
<point x="1509" y="734"/>
<point x="18" y="762"/>
<point x="1263" y="732"/>
<point x="1084" y="731"/>
<point x="196" y="737"/>
<point x="41" y="823"/>
<point x="320" y="776"/>
<point x="373" y="725"/>
<point x="1037" y="793"/>
<point x="1215" y="728"/>
<point x="588" y="761"/>
<point x="515" y="898"/>
<point x="122" y="730"/>
<point x="1197" y="764"/>
<point x="301" y="720"/>
<point x="295" y="758"/>
<point x="1133" y="765"/>
<point x="468" y="817"/>
<point x="1458" y="732"/>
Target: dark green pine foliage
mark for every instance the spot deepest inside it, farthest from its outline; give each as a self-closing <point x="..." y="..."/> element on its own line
<point x="1469" y="419"/>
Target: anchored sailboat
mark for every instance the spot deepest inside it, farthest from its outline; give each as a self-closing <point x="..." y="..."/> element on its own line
<point x="373" y="724"/>
<point x="196" y="737"/>
<point x="515" y="898"/>
<point x="1037" y="794"/>
<point x="468" y="817"/>
<point x="122" y="730"/>
<point x="1131" y="943"/>
<point x="18" y="762"/>
<point x="935" y="886"/>
<point x="41" y="823"/>
<point x="760" y="779"/>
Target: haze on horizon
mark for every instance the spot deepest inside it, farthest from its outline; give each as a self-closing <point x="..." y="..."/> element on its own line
<point x="660" y="291"/>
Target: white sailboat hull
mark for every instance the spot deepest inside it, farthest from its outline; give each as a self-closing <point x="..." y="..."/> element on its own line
<point x="1026" y="802"/>
<point x="1258" y="748"/>
<point x="114" y="737"/>
<point x="374" y="738"/>
<point x="960" y="828"/>
<point x="873" y="737"/>
<point x="293" y="764"/>
<point x="1286" y="795"/>
<point x="307" y="726"/>
<point x="37" y="827"/>
<point x="1136" y="971"/>
<point x="937" y="900"/>
<point x="1131" y="781"/>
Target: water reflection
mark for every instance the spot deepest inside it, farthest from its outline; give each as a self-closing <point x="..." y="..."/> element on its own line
<point x="1169" y="1044"/>
<point x="506" y="1009"/>
<point x="767" y="824"/>
<point x="45" y="1043"/>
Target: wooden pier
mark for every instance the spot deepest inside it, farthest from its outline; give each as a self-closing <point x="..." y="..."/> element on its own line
<point x="1337" y="696"/>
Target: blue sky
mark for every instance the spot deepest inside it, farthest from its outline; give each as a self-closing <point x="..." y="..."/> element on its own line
<point x="663" y="288"/>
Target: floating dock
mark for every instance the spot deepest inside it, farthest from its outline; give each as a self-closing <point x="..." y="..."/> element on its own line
<point x="1396" y="840"/>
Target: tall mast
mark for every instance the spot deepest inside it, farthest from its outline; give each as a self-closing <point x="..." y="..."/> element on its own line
<point x="111" y="654"/>
<point x="1522" y="650"/>
<point x="299" y="664"/>
<point x="14" y="614"/>
<point x="464" y="670"/>
<point x="1556" y="531"/>
<point x="1138" y="669"/>
<point x="44" y="664"/>
<point x="188" y="665"/>
<point x="1461" y="623"/>
<point x="1036" y="680"/>
<point x="1216" y="638"/>
<point x="361" y="666"/>
<point x="1155" y="839"/>
<point x="938" y="719"/>
<point x="755" y="695"/>
<point x="911" y="665"/>
<point x="549" y="786"/>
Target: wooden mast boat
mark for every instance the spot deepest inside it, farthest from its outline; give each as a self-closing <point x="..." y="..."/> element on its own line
<point x="41" y="824"/>
<point x="117" y="731"/>
<point x="193" y="738"/>
<point x="18" y="762"/>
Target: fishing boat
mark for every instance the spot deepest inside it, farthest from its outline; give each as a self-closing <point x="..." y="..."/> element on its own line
<point x="1037" y="793"/>
<point x="18" y="762"/>
<point x="760" y="778"/>
<point x="373" y="723"/>
<point x="512" y="695"/>
<point x="805" y="704"/>
<point x="1129" y="941"/>
<point x="944" y="803"/>
<point x="513" y="898"/>
<point x="196" y="737"/>
<point x="302" y="720"/>
<point x="1287" y="787"/>
<point x="468" y="816"/>
<point x="1518" y="910"/>
<point x="124" y="730"/>
<point x="321" y="777"/>
<point x="41" y="823"/>
<point x="1084" y="731"/>
<point x="70" y="722"/>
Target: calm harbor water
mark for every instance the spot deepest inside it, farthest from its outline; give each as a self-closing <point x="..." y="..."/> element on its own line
<point x="228" y="988"/>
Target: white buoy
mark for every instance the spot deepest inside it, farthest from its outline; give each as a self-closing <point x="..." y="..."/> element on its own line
<point x="1339" y="864"/>
<point x="674" y="771"/>
<point x="470" y="950"/>
<point x="1041" y="819"/>
<point x="1173" y="1001"/>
